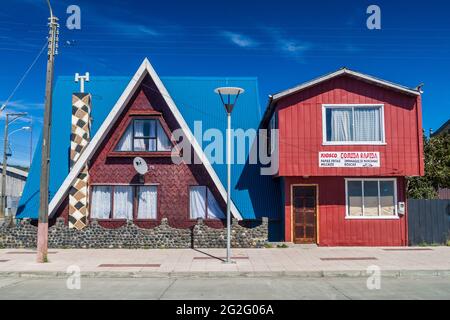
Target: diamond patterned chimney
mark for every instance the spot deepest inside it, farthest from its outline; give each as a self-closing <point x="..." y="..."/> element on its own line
<point x="79" y="139"/>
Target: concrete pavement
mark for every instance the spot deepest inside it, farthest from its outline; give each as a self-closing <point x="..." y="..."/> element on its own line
<point x="285" y="288"/>
<point x="307" y="261"/>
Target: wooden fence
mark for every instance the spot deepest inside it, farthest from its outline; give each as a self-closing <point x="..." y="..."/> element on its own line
<point x="428" y="221"/>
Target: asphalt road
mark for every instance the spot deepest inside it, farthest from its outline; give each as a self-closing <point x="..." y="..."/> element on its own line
<point x="426" y="287"/>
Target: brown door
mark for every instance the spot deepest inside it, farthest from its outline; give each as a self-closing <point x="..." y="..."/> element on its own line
<point x="305" y="212"/>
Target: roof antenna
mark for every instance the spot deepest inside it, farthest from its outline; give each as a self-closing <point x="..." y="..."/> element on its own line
<point x="81" y="79"/>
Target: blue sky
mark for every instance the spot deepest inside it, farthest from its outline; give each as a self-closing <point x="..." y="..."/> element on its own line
<point x="283" y="43"/>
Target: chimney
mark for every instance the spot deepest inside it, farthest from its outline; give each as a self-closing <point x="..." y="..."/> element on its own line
<point x="79" y="139"/>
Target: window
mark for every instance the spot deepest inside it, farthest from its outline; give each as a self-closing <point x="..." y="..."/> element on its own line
<point x="144" y="135"/>
<point x="371" y="198"/>
<point x="101" y="202"/>
<point x="146" y="202"/>
<point x="202" y="204"/>
<point x="123" y="202"/>
<point x="353" y="124"/>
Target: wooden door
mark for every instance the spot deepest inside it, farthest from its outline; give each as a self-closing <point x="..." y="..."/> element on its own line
<point x="305" y="214"/>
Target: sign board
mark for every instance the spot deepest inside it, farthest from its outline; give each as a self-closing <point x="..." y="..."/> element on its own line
<point x="358" y="159"/>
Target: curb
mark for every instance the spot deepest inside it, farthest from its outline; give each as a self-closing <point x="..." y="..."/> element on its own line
<point x="275" y="274"/>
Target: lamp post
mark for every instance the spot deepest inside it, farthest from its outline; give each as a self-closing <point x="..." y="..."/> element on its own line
<point x="9" y="119"/>
<point x="229" y="96"/>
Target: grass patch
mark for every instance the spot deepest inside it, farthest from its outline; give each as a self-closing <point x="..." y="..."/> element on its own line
<point x="268" y="245"/>
<point x="282" y="246"/>
<point x="426" y="244"/>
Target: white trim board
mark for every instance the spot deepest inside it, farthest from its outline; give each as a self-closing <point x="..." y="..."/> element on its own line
<point x="133" y="85"/>
<point x="354" y="74"/>
<point x="17" y="171"/>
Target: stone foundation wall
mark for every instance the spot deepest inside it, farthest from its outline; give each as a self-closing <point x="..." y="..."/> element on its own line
<point x="130" y="236"/>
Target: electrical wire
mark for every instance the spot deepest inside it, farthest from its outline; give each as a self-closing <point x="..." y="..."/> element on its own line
<point x="24" y="76"/>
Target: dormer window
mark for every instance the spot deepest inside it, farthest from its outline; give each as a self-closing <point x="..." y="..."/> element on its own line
<point x="144" y="135"/>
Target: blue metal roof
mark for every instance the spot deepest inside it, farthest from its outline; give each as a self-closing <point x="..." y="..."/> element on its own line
<point x="254" y="195"/>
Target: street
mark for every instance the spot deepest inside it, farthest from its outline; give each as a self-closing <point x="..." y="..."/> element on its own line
<point x="223" y="288"/>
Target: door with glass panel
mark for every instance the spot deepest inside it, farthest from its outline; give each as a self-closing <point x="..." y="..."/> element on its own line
<point x="304" y="200"/>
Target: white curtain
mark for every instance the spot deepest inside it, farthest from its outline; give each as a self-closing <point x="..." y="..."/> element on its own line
<point x="101" y="202"/>
<point x="125" y="143"/>
<point x="214" y="210"/>
<point x="367" y="124"/>
<point x="123" y="202"/>
<point x="197" y="202"/>
<point x="341" y="124"/>
<point x="163" y="140"/>
<point x="139" y="144"/>
<point x="147" y="199"/>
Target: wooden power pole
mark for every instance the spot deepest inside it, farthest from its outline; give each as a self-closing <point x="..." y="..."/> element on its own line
<point x="42" y="241"/>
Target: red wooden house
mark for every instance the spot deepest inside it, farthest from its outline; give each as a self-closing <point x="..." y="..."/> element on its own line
<point x="347" y="141"/>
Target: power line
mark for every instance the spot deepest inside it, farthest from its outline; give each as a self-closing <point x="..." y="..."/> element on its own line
<point x="24" y="76"/>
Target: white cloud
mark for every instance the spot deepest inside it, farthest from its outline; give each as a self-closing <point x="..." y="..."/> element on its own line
<point x="239" y="39"/>
<point x="287" y="45"/>
<point x="293" y="47"/>
<point x="148" y="31"/>
<point x="22" y="105"/>
<point x="134" y="30"/>
<point x="18" y="106"/>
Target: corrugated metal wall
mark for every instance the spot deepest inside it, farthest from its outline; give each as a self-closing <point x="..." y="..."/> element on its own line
<point x="14" y="185"/>
<point x="444" y="194"/>
<point x="428" y="221"/>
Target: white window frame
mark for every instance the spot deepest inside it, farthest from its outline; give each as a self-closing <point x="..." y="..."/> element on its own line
<point x="393" y="217"/>
<point x="351" y="106"/>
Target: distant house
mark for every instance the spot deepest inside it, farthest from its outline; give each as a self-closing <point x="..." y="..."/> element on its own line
<point x="15" y="182"/>
<point x="443" y="193"/>
<point x="444" y="129"/>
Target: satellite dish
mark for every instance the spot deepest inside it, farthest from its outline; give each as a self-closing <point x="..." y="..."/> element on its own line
<point x="140" y="165"/>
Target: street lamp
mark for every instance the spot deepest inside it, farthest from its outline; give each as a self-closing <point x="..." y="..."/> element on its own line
<point x="8" y="122"/>
<point x="229" y="96"/>
<point x="21" y="129"/>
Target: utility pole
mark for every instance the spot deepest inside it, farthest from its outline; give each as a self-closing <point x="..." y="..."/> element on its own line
<point x="8" y="121"/>
<point x="5" y="145"/>
<point x="42" y="241"/>
<point x="31" y="142"/>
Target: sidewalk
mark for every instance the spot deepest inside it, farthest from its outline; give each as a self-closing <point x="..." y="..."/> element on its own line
<point x="304" y="261"/>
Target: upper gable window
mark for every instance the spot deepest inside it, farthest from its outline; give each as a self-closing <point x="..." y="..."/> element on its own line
<point x="144" y="135"/>
<point x="353" y="124"/>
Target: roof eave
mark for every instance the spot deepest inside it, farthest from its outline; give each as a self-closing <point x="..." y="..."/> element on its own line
<point x="343" y="71"/>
